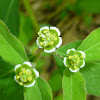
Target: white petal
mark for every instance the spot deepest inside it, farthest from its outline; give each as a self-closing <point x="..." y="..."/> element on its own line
<point x="30" y="85"/>
<point x="70" y="50"/>
<point x="82" y="53"/>
<point x="17" y="66"/>
<point x="60" y="42"/>
<point x="15" y="79"/>
<point x="55" y="28"/>
<point x="27" y="63"/>
<point x="64" y="61"/>
<point x="74" y="71"/>
<point x="50" y="51"/>
<point x="83" y="64"/>
<point x="38" y="43"/>
<point x="36" y="72"/>
<point x="45" y="27"/>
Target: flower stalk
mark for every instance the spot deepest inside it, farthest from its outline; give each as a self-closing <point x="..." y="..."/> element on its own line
<point x="31" y="14"/>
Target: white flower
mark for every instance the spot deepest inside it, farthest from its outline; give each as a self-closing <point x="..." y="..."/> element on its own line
<point x="25" y="74"/>
<point x="49" y="39"/>
<point x="74" y="60"/>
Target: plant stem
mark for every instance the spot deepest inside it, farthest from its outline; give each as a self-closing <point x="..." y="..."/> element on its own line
<point x="38" y="56"/>
<point x="55" y="54"/>
<point x="31" y="14"/>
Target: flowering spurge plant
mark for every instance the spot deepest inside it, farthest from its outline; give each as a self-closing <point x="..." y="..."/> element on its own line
<point x="25" y="74"/>
<point x="49" y="39"/>
<point x="74" y="60"/>
<point x="19" y="79"/>
<point x="83" y="55"/>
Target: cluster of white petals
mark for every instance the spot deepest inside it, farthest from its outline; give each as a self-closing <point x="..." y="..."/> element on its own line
<point x="74" y="61"/>
<point x="49" y="39"/>
<point x="25" y="72"/>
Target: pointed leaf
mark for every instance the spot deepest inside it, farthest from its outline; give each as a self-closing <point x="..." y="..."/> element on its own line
<point x="73" y="86"/>
<point x="91" y="46"/>
<point x="11" y="49"/>
<point x="40" y="91"/>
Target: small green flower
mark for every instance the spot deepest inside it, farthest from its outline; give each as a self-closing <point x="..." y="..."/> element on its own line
<point x="49" y="39"/>
<point x="25" y="75"/>
<point x="75" y="60"/>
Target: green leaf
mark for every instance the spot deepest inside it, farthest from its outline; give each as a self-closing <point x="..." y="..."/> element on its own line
<point x="59" y="97"/>
<point x="62" y="51"/>
<point x="73" y="86"/>
<point x="40" y="91"/>
<point x="32" y="93"/>
<point x="9" y="14"/>
<point x="5" y="68"/>
<point x="91" y="46"/>
<point x="60" y="65"/>
<point x="26" y="30"/>
<point x="11" y="49"/>
<point x="89" y="6"/>
<point x="55" y="85"/>
<point x="91" y="73"/>
<point x="8" y="86"/>
<point x="46" y="92"/>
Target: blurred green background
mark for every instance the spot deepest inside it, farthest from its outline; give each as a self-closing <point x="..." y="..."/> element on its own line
<point x="75" y="19"/>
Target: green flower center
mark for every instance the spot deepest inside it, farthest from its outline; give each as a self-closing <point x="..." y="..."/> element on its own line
<point x="24" y="75"/>
<point x="75" y="61"/>
<point x="47" y="38"/>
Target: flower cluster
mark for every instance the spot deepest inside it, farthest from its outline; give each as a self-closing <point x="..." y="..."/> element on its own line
<point x="74" y="60"/>
<point x="25" y="74"/>
<point x="49" y="39"/>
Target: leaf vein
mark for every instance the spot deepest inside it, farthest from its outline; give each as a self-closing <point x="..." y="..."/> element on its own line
<point x="92" y="47"/>
<point x="13" y="48"/>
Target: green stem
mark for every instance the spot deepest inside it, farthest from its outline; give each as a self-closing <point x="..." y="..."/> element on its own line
<point x="38" y="56"/>
<point x="54" y="53"/>
<point x="31" y="14"/>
